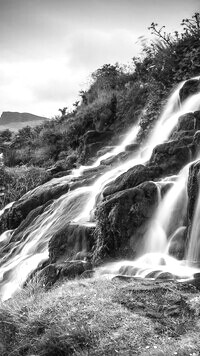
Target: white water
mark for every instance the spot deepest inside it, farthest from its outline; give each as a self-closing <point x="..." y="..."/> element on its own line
<point x="171" y="207"/>
<point x="77" y="205"/>
<point x="193" y="254"/>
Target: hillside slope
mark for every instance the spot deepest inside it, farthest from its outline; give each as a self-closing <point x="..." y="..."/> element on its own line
<point x="15" y="121"/>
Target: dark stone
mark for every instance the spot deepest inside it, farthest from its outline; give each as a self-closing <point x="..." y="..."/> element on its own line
<point x="50" y="274"/>
<point x="132" y="178"/>
<point x="93" y="141"/>
<point x="72" y="241"/>
<point x="193" y="188"/>
<point x="39" y="196"/>
<point x="193" y="193"/>
<point x="172" y="156"/>
<point x="96" y="136"/>
<point x="165" y="276"/>
<point x="177" y="243"/>
<point x="190" y="87"/>
<point x="119" y="158"/>
<point x="122" y="221"/>
<point x="73" y="269"/>
<point x="133" y="147"/>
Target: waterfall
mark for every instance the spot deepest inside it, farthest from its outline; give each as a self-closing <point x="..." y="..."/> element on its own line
<point x="169" y="215"/>
<point x="77" y="206"/>
<point x="193" y="254"/>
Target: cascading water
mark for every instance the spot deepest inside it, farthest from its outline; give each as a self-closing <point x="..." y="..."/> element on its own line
<point x="193" y="254"/>
<point x="169" y="215"/>
<point x="76" y="206"/>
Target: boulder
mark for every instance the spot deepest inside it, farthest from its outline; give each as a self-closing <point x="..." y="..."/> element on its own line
<point x="133" y="147"/>
<point x="96" y="136"/>
<point x="72" y="241"/>
<point x="188" y="122"/>
<point x="93" y="141"/>
<point x="177" y="243"/>
<point x="132" y="178"/>
<point x="193" y="188"/>
<point x="172" y="156"/>
<point x="39" y="196"/>
<point x="122" y="221"/>
<point x="190" y="87"/>
<point x="119" y="158"/>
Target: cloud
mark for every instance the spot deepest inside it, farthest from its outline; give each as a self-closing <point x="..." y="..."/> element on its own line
<point x="91" y="49"/>
<point x="39" y="86"/>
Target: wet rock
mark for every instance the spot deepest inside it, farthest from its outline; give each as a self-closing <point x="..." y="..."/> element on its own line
<point x="191" y="86"/>
<point x="73" y="241"/>
<point x="165" y="276"/>
<point x="49" y="275"/>
<point x="177" y="243"/>
<point x="96" y="136"/>
<point x="189" y="121"/>
<point x="132" y="147"/>
<point x="193" y="188"/>
<point x="122" y="220"/>
<point x="73" y="269"/>
<point x="172" y="156"/>
<point x="30" y="201"/>
<point x="93" y="141"/>
<point x="128" y="270"/>
<point x="132" y="178"/>
<point x="113" y="160"/>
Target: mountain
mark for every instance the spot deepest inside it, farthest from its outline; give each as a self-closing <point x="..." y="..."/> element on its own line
<point x="15" y="120"/>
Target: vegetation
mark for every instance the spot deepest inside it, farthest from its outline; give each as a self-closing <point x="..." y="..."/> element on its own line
<point x="101" y="317"/>
<point x="117" y="97"/>
<point x="98" y="316"/>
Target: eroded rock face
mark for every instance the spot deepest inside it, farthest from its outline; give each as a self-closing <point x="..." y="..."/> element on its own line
<point x="93" y="141"/>
<point x="193" y="189"/>
<point x="191" y="86"/>
<point x="132" y="178"/>
<point x="71" y="242"/>
<point x="170" y="157"/>
<point x="30" y="201"/>
<point x="122" y="219"/>
<point x="177" y="243"/>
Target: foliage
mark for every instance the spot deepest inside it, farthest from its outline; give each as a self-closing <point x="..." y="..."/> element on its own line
<point x="171" y="58"/>
<point x="20" y="180"/>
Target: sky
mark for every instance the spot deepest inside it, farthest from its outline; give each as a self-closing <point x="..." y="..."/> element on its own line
<point x="49" y="48"/>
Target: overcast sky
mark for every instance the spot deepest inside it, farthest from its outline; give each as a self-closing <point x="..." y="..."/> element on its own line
<point x="48" y="48"/>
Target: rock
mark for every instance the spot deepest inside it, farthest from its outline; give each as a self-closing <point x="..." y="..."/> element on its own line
<point x="50" y="274"/>
<point x="191" y="86"/>
<point x="193" y="188"/>
<point x="72" y="241"/>
<point x="73" y="269"/>
<point x="172" y="156"/>
<point x="96" y="136"/>
<point x="165" y="276"/>
<point x="39" y="196"/>
<point x="132" y="147"/>
<point x="177" y="243"/>
<point x="113" y="160"/>
<point x="189" y="121"/>
<point x="122" y="220"/>
<point x="132" y="178"/>
<point x="93" y="141"/>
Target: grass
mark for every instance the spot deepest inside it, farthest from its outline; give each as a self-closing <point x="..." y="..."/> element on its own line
<point x="19" y="180"/>
<point x="99" y="317"/>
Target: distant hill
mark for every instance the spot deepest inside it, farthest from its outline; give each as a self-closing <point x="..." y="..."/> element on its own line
<point x="15" y="120"/>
